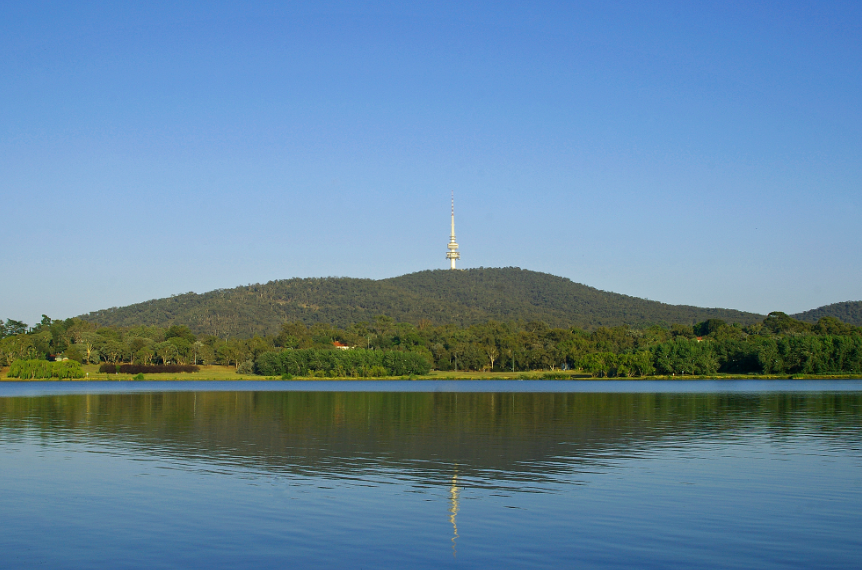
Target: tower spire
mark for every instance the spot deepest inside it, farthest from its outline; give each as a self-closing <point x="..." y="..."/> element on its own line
<point x="452" y="254"/>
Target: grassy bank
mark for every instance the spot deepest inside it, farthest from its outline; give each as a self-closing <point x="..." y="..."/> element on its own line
<point x="229" y="373"/>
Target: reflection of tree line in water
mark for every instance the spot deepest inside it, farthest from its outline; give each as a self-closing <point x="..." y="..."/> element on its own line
<point x="335" y="431"/>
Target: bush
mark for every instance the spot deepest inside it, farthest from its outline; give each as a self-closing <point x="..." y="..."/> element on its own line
<point x="246" y="367"/>
<point x="146" y="368"/>
<point x="376" y="372"/>
<point x="400" y="363"/>
<point x="32" y="369"/>
<point x="554" y="376"/>
<point x="68" y="369"/>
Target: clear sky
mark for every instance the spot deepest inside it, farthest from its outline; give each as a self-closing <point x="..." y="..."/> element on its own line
<point x="704" y="153"/>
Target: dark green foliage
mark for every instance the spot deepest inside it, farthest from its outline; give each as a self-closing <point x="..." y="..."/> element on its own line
<point x="635" y="364"/>
<point x="180" y="332"/>
<point x="599" y="364"/>
<point x="831" y="325"/>
<point x="685" y="356"/>
<point x="463" y="298"/>
<point x="739" y="356"/>
<point x="781" y="323"/>
<point x="11" y="328"/>
<point x="709" y="326"/>
<point x="849" y="312"/>
<point x="341" y="363"/>
<point x="625" y="365"/>
<point x="402" y="363"/>
<point x="147" y="369"/>
<point x="811" y="355"/>
<point x="383" y="346"/>
<point x="32" y="369"/>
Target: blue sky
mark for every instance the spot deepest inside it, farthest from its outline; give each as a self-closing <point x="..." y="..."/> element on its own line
<point x="692" y="153"/>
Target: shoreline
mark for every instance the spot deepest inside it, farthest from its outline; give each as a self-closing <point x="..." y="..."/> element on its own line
<point x="227" y="374"/>
<point x="219" y="373"/>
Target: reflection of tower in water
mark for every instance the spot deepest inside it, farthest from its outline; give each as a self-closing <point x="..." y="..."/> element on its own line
<point x="453" y="509"/>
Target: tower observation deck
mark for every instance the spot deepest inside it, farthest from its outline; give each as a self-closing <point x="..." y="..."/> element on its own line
<point x="453" y="253"/>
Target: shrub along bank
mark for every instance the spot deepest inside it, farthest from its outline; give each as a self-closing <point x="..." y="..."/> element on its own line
<point x="341" y="363"/>
<point x="32" y="369"/>
<point x="109" y="368"/>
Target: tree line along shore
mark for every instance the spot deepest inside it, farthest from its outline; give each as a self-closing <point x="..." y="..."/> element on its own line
<point x="778" y="346"/>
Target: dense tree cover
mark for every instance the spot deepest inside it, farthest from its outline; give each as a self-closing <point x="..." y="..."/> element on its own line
<point x="88" y="343"/>
<point x="359" y="362"/>
<point x="463" y="298"/>
<point x="779" y="344"/>
<point x="849" y="312"/>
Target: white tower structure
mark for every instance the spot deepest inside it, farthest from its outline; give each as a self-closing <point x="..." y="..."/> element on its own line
<point x="453" y="254"/>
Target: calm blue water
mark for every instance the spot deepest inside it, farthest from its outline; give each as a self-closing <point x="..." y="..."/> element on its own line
<point x="743" y="474"/>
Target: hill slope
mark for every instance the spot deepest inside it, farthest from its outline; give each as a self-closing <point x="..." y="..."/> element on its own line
<point x="849" y="311"/>
<point x="460" y="297"/>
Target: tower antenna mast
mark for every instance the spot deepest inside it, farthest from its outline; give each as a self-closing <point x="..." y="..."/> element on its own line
<point x="453" y="253"/>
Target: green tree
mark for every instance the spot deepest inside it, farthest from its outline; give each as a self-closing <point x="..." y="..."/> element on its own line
<point x="166" y="351"/>
<point x="180" y="331"/>
<point x="12" y="328"/>
<point x="183" y="348"/>
<point x="232" y="352"/>
<point x="599" y="364"/>
<point x="685" y="356"/>
<point x="780" y="323"/>
<point x="833" y="326"/>
<point x="113" y="351"/>
<point x="709" y="327"/>
<point x="88" y="343"/>
<point x="15" y="347"/>
<point x="145" y="355"/>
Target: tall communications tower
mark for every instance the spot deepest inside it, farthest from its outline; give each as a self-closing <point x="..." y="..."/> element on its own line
<point x="453" y="254"/>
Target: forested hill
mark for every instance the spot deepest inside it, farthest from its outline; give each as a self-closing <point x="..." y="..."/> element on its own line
<point x="849" y="312"/>
<point x="461" y="297"/>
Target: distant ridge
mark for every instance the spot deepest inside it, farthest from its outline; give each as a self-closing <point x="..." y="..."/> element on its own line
<point x="460" y="297"/>
<point x="849" y="311"/>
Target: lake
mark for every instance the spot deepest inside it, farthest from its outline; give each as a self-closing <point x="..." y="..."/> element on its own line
<point x="503" y="474"/>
